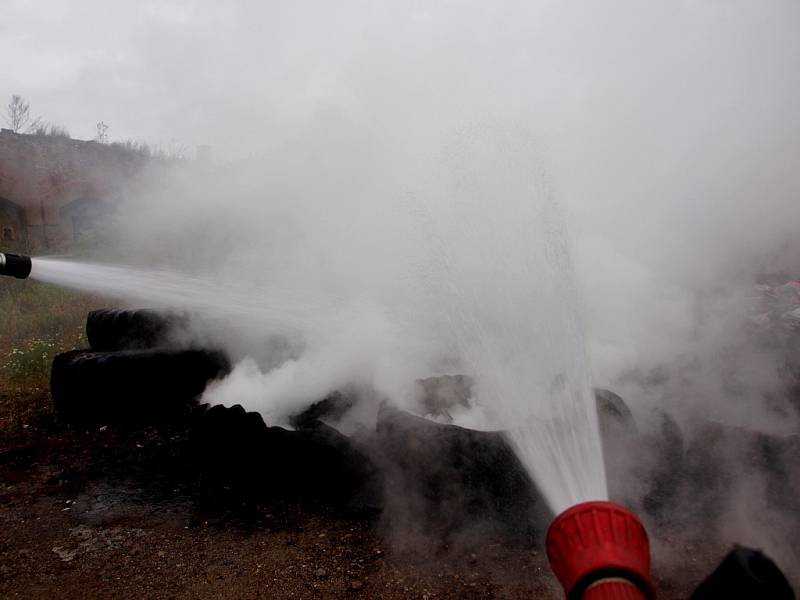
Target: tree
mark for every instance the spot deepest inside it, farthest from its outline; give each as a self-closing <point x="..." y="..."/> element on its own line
<point x="18" y="115"/>
<point x="101" y="136"/>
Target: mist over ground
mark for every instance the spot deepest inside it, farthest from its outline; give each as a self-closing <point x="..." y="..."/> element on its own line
<point x="348" y="136"/>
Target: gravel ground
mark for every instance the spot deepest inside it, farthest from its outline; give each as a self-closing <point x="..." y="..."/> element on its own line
<point x="105" y="514"/>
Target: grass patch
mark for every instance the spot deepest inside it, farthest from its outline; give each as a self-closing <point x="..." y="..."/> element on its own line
<point x="38" y="321"/>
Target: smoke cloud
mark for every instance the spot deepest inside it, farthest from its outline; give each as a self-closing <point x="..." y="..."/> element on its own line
<point x="347" y="135"/>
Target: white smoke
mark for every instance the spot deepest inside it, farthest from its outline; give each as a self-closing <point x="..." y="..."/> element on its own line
<point x="668" y="132"/>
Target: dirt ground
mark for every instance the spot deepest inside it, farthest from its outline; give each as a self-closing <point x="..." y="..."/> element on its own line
<point x="110" y="514"/>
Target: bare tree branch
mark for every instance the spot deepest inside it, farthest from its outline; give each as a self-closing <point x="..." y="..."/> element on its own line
<point x="18" y="115"/>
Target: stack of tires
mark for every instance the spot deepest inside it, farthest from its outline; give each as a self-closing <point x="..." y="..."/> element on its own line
<point x="134" y="373"/>
<point x="138" y="373"/>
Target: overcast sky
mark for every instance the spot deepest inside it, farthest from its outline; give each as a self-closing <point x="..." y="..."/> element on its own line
<point x="231" y="74"/>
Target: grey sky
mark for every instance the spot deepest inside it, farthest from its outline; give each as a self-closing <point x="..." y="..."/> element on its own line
<point x="233" y="74"/>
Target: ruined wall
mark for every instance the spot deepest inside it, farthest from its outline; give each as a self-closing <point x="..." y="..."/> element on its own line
<point x="13" y="233"/>
<point x="53" y="190"/>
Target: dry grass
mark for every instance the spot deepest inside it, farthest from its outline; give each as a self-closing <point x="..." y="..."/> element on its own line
<point x="38" y="321"/>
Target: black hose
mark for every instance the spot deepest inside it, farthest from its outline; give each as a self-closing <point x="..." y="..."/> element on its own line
<point x="14" y="265"/>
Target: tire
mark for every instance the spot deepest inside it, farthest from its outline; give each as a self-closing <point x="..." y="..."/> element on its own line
<point x="613" y="413"/>
<point x="116" y="329"/>
<point x="444" y="478"/>
<point x="666" y="474"/>
<point x="236" y="450"/>
<point x="132" y="387"/>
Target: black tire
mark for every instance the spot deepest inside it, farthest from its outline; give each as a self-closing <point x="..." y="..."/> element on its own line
<point x="443" y="478"/>
<point x="236" y="450"/>
<point x="653" y="456"/>
<point x="133" y="387"/>
<point x="116" y="329"/>
<point x="667" y="473"/>
<point x="719" y="456"/>
<point x="612" y="412"/>
<point x="745" y="573"/>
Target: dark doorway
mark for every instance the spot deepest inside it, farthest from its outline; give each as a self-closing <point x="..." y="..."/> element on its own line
<point x="12" y="225"/>
<point x="86" y="215"/>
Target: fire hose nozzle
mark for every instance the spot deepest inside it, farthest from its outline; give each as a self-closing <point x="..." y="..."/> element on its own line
<point x="600" y="551"/>
<point x="14" y="265"/>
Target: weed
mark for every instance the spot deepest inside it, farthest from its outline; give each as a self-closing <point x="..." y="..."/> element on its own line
<point x="38" y="321"/>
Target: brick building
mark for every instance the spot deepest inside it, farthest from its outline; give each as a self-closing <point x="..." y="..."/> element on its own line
<point x="55" y="191"/>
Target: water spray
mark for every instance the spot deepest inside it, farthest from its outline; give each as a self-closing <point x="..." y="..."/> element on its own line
<point x="14" y="265"/>
<point x="600" y="551"/>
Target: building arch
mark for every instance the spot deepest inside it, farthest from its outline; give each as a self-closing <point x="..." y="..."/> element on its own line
<point x="84" y="217"/>
<point x="13" y="233"/>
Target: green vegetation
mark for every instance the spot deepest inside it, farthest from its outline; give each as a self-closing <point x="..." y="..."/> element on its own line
<point x="38" y="321"/>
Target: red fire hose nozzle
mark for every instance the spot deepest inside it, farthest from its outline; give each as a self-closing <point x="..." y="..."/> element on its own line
<point x="600" y="551"/>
